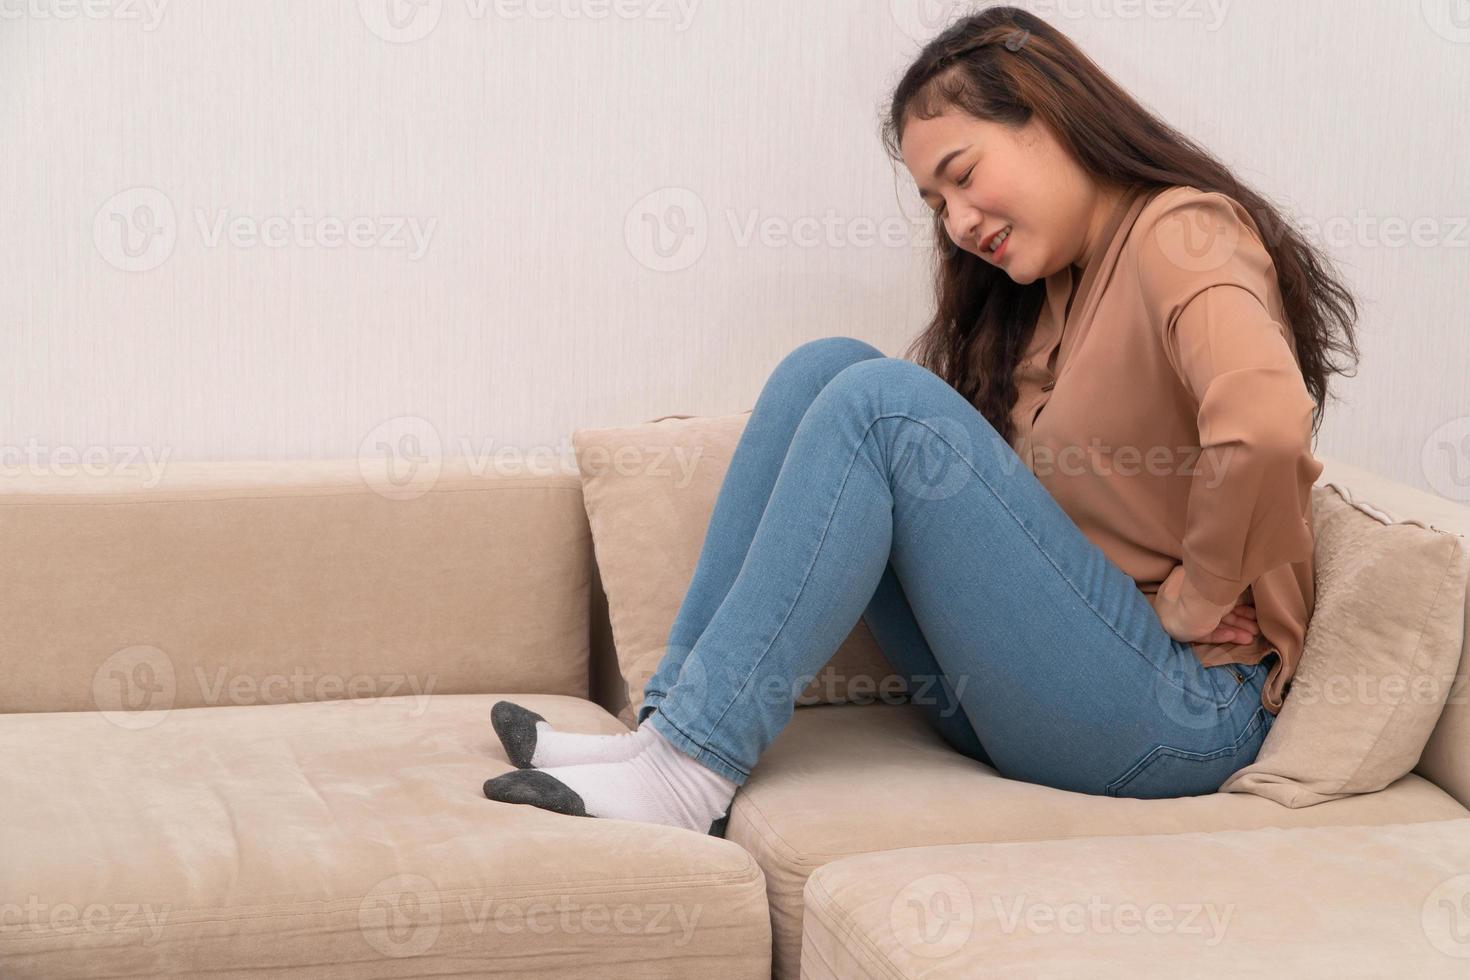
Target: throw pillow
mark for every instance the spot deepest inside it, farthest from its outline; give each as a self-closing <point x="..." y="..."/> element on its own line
<point x="649" y="491"/>
<point x="1380" y="653"/>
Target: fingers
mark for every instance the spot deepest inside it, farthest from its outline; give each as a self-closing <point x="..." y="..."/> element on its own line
<point x="1237" y="626"/>
<point x="1243" y="625"/>
<point x="1242" y="617"/>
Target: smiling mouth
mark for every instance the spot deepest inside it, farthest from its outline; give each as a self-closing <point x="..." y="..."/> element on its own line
<point x="993" y="245"/>
<point x="996" y="247"/>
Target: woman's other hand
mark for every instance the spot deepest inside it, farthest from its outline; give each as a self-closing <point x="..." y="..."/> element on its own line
<point x="1190" y="617"/>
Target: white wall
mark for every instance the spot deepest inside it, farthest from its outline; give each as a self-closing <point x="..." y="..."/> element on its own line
<point x="523" y="148"/>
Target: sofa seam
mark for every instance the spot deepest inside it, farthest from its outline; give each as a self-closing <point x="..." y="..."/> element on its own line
<point x="741" y="876"/>
<point x="798" y="857"/>
<point x="849" y="933"/>
<point x="163" y="496"/>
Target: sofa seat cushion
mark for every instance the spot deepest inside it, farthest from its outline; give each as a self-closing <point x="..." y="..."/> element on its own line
<point x="346" y="838"/>
<point x="1350" y="901"/>
<point x="850" y="779"/>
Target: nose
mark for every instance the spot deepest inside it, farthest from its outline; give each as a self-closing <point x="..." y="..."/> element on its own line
<point x="965" y="225"/>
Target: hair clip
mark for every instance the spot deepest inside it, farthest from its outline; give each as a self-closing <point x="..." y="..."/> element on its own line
<point x="1015" y="41"/>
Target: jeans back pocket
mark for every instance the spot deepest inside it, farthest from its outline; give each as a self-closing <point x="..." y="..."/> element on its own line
<point x="1166" y="771"/>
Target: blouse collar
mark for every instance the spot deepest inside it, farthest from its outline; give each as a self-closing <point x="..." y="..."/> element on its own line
<point x="1056" y="322"/>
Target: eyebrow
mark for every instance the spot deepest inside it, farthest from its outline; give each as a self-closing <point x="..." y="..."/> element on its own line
<point x="944" y="162"/>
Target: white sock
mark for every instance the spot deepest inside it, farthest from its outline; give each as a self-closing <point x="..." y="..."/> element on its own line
<point x="660" y="784"/>
<point x="554" y="748"/>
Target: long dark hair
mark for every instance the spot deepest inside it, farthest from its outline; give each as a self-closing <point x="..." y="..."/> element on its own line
<point x="984" y="321"/>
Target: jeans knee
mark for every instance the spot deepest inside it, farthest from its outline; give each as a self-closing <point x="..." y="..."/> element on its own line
<point x="891" y="374"/>
<point x="822" y="359"/>
<point x="893" y="385"/>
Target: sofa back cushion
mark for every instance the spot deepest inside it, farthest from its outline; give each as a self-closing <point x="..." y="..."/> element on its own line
<point x="247" y="583"/>
<point x="1382" y="652"/>
<point x="649" y="490"/>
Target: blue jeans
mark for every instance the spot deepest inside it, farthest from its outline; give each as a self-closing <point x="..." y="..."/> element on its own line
<point x="865" y="485"/>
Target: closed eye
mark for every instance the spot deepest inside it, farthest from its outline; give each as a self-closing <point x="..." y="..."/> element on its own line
<point x="962" y="182"/>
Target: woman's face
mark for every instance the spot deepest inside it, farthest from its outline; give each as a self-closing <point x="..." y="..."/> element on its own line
<point x="985" y="176"/>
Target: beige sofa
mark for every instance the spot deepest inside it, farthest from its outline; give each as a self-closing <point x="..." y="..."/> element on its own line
<point x="245" y="724"/>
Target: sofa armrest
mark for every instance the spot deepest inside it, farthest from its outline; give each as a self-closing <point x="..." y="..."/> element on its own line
<point x="1446" y="759"/>
<point x="1385" y="900"/>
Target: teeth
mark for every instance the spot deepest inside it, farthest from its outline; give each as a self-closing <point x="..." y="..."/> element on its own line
<point x="1000" y="238"/>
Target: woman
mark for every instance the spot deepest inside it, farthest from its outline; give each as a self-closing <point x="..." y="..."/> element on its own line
<point x="1084" y="509"/>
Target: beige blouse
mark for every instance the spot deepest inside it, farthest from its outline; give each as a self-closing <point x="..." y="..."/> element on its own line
<point x="1165" y="411"/>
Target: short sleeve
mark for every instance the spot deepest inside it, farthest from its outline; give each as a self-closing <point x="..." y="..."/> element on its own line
<point x="1204" y="276"/>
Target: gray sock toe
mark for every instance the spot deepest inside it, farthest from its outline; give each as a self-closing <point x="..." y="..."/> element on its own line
<point x="537" y="788"/>
<point x="516" y="727"/>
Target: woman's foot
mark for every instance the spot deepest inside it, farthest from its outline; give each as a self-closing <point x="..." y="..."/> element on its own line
<point x="530" y="741"/>
<point x="660" y="784"/>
